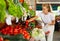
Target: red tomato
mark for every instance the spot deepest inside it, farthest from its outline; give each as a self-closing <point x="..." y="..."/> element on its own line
<point x="27" y="36"/>
<point x="17" y="26"/>
<point x="23" y="33"/>
<point x="4" y="31"/>
<point x="19" y="31"/>
<point x="10" y="31"/>
<point x="21" y="1"/>
<point x="27" y="23"/>
<point x="7" y="28"/>
<point x="15" y="31"/>
<point x="1" y="38"/>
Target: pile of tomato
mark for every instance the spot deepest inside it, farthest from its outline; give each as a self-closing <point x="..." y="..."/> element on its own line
<point x="10" y="30"/>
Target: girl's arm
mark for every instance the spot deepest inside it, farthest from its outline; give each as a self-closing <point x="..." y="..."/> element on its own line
<point x="32" y="19"/>
<point x="52" y="23"/>
<point x="53" y="19"/>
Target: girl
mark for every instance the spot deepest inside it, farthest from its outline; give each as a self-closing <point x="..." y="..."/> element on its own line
<point x="48" y="20"/>
<point x="38" y="33"/>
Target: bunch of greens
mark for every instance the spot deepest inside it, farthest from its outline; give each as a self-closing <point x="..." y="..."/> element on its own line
<point x="14" y="9"/>
<point x="32" y="13"/>
<point x="2" y="10"/>
<point x="26" y="6"/>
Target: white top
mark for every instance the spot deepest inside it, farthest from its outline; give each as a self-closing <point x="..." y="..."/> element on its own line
<point x="46" y="18"/>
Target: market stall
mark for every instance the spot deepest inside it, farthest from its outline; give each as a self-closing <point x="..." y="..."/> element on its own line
<point x="13" y="21"/>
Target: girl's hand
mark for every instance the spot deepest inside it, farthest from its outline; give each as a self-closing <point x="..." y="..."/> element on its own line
<point x="47" y="32"/>
<point x="52" y="22"/>
<point x="32" y="19"/>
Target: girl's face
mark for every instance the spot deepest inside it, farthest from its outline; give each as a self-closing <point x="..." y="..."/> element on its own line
<point x="45" y="10"/>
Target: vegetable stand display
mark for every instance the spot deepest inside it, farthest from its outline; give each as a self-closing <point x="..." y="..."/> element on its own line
<point x="20" y="30"/>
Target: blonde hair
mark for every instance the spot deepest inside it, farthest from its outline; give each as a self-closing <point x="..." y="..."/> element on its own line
<point x="48" y="6"/>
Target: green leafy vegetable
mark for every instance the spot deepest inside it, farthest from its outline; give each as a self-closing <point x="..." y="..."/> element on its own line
<point x="26" y="6"/>
<point x="32" y="13"/>
<point x="2" y="10"/>
<point x="14" y="9"/>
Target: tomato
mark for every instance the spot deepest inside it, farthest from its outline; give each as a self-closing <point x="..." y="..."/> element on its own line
<point x="19" y="31"/>
<point x="15" y="31"/>
<point x="21" y="1"/>
<point x="28" y="37"/>
<point x="10" y="31"/>
<point x="1" y="38"/>
<point x="27" y="23"/>
<point x="17" y="26"/>
<point x="7" y="28"/>
<point x="4" y="31"/>
<point x="23" y="33"/>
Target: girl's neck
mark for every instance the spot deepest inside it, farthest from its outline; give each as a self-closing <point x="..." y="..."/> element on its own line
<point x="46" y="13"/>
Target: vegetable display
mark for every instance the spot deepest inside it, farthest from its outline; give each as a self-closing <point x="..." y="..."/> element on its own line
<point x="20" y="31"/>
